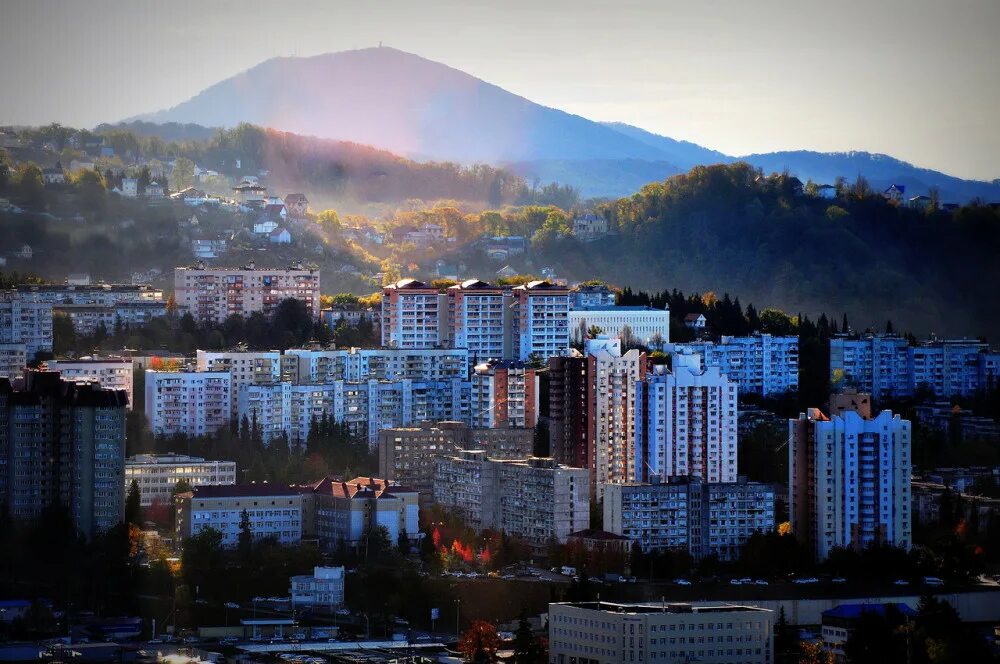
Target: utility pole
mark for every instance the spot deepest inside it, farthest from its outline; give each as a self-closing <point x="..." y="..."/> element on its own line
<point x="458" y="610"/>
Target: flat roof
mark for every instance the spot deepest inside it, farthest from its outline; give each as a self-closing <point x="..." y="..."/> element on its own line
<point x="666" y="607"/>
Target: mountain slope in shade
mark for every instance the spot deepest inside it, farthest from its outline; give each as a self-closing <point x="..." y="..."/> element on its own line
<point x="683" y="154"/>
<point x="404" y="103"/>
<point x="879" y="169"/>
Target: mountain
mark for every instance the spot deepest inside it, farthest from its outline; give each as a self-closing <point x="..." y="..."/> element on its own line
<point x="426" y="110"/>
<point x="881" y="170"/>
<point x="403" y="103"/>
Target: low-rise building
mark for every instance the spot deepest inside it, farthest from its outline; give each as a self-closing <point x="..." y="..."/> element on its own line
<point x="157" y="475"/>
<point x="660" y="632"/>
<point x="343" y="513"/>
<point x="324" y="587"/>
<point x="644" y="325"/>
<point x="273" y="511"/>
<point x="535" y="499"/>
<point x="704" y="519"/>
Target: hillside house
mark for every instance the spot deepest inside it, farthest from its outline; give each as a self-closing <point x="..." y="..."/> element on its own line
<point x="280" y="235"/>
<point x="297" y="205"/>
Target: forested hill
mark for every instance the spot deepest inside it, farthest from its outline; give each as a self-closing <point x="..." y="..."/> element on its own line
<point x="730" y="228"/>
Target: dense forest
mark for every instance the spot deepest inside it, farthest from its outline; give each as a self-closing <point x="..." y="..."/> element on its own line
<point x="731" y="228"/>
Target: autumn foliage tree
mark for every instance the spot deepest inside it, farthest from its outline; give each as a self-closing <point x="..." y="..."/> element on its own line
<point x="480" y="642"/>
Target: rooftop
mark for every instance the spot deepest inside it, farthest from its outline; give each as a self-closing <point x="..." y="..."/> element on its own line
<point x="664" y="607"/>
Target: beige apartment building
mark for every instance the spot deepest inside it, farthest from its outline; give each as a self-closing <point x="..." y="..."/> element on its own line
<point x="156" y="475"/>
<point x="606" y="632"/>
<point x="212" y="294"/>
<point x="274" y="510"/>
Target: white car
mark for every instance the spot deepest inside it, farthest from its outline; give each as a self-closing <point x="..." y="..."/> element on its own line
<point x="900" y="582"/>
<point x="838" y="579"/>
<point x="806" y="580"/>
<point x="736" y="582"/>
<point x="760" y="582"/>
<point x="231" y="605"/>
<point x="933" y="581"/>
<point x="682" y="582"/>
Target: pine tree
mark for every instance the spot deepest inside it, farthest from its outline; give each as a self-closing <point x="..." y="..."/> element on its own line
<point x="133" y="505"/>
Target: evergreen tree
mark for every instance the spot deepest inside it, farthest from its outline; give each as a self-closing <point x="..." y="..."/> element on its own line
<point x="133" y="505"/>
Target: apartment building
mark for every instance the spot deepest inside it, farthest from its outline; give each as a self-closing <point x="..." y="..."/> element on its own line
<point x="26" y="321"/>
<point x="611" y="394"/>
<point x="345" y="512"/>
<point x="156" y="475"/>
<point x="359" y="364"/>
<point x="887" y="367"/>
<point x="274" y="511"/>
<point x="111" y="373"/>
<point x="189" y="403"/>
<point x="686" y="422"/>
<point x="408" y="454"/>
<point x="267" y="409"/>
<point x="761" y="364"/>
<point x="686" y="514"/>
<point x="540" y="320"/>
<point x="478" y="320"/>
<point x="87" y="319"/>
<point x="878" y="365"/>
<point x="569" y="411"/>
<point x="646" y="325"/>
<point x="90" y="307"/>
<point x="504" y="395"/>
<point x="591" y="295"/>
<point x="13" y="359"/>
<point x="849" y="478"/>
<point x="244" y="368"/>
<point x="412" y="315"/>
<point x="660" y="632"/>
<point x="535" y="499"/>
<point x="212" y="294"/>
<point x="62" y="442"/>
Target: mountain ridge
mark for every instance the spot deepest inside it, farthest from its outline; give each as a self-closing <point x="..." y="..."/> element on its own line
<point x="426" y="110"/>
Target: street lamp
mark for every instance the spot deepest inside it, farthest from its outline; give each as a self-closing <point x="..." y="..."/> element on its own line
<point x="458" y="610"/>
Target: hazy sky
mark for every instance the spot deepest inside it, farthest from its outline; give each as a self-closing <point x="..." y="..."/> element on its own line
<point x="917" y="79"/>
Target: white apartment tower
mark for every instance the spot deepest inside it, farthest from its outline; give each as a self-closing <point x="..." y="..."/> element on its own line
<point x="686" y="422"/>
<point x="411" y="315"/>
<point x="478" y="319"/>
<point x="540" y="323"/>
<point x="611" y="392"/>
<point x="849" y="478"/>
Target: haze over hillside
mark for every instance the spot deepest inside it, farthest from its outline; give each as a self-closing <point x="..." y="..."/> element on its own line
<point x="426" y="110"/>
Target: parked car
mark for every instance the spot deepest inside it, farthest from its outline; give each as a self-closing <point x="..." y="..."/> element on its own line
<point x="231" y="605"/>
<point x="760" y="582"/>
<point x="900" y="582"/>
<point x="806" y="580"/>
<point x="838" y="579"/>
<point x="933" y="581"/>
<point x="682" y="582"/>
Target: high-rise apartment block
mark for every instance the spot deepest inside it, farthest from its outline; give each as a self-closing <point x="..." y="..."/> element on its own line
<point x="190" y="403"/>
<point x="540" y="325"/>
<point x="686" y="422"/>
<point x="24" y="322"/>
<point x="212" y="294"/>
<point x="660" y="632"/>
<point x="760" y="364"/>
<point x="612" y="392"/>
<point x="504" y="395"/>
<point x="244" y="367"/>
<point x="62" y="443"/>
<point x="411" y="315"/>
<point x="478" y="319"/>
<point x="111" y="373"/>
<point x="849" y="478"/>
<point x="90" y="307"/>
<point x="157" y="475"/>
<point x="536" y="499"/>
<point x="569" y="411"/>
<point x="686" y="514"/>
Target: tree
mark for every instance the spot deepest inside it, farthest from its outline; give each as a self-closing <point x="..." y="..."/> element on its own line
<point x="480" y="642"/>
<point x="244" y="545"/>
<point x="527" y="649"/>
<point x="329" y="220"/>
<point x="133" y="504"/>
<point x="182" y="176"/>
<point x="29" y="185"/>
<point x="90" y="187"/>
